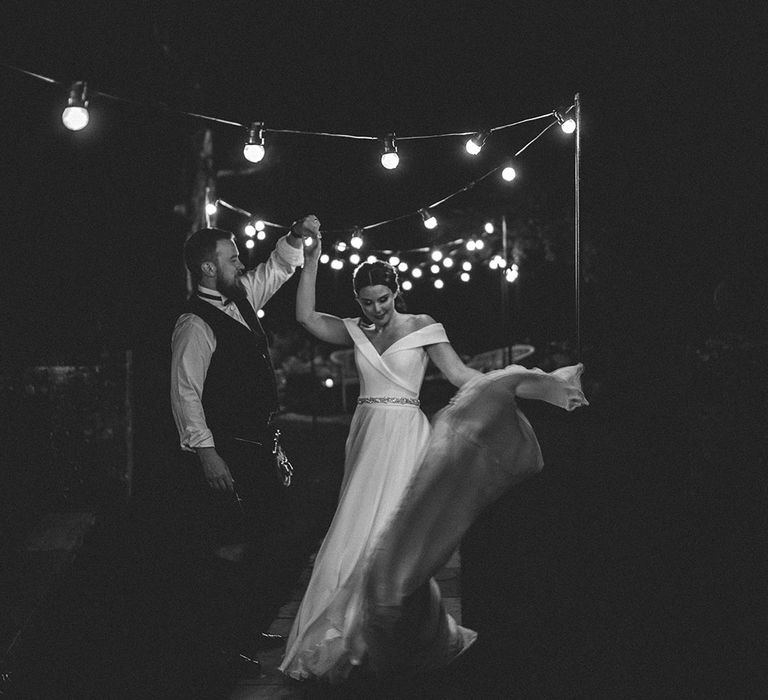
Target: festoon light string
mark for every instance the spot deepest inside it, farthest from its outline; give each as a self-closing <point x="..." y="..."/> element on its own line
<point x="75" y="117"/>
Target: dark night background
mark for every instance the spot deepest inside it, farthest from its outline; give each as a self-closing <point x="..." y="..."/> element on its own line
<point x="674" y="217"/>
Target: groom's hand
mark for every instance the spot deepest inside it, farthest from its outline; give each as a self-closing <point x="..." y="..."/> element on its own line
<point x="215" y="470"/>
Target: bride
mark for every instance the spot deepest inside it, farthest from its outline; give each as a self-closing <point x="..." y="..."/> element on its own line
<point x="371" y="599"/>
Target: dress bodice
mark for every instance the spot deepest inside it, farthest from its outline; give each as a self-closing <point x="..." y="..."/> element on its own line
<point x="399" y="370"/>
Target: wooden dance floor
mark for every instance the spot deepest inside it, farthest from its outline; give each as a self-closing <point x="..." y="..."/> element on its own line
<point x="272" y="684"/>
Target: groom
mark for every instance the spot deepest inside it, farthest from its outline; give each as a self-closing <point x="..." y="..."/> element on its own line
<point x="247" y="551"/>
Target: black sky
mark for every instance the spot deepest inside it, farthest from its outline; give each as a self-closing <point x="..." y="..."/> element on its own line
<point x="674" y="166"/>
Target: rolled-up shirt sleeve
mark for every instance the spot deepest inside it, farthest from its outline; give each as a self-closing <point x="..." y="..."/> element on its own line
<point x="192" y="346"/>
<point x="264" y="280"/>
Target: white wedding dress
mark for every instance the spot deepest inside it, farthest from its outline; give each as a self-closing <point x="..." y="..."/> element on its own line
<point x="371" y="599"/>
<point x="386" y="442"/>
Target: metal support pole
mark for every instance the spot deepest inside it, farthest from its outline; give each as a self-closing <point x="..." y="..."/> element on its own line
<point x="576" y="232"/>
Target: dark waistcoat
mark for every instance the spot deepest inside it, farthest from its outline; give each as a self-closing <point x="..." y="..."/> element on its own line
<point x="239" y="393"/>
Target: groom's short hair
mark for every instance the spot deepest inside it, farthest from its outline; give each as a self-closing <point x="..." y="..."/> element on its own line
<point x="201" y="247"/>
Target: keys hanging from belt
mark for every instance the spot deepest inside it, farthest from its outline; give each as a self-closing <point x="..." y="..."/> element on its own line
<point x="284" y="466"/>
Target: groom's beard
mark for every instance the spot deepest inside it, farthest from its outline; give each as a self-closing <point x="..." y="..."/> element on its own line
<point x="230" y="290"/>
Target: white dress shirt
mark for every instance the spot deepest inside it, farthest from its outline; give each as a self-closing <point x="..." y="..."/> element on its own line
<point x="193" y="342"/>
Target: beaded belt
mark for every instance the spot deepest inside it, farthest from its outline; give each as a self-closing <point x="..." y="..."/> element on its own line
<point x="403" y="400"/>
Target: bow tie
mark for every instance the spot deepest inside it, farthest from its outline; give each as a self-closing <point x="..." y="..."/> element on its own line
<point x="215" y="297"/>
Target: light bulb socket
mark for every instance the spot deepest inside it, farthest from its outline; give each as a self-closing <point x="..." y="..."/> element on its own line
<point x="388" y="144"/>
<point x="255" y="134"/>
<point x="78" y="95"/>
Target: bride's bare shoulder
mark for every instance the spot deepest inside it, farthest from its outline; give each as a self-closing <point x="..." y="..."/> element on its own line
<point x="419" y="321"/>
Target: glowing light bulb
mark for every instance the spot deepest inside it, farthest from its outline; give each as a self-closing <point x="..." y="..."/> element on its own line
<point x="337" y="264"/>
<point x="466" y="266"/>
<point x="389" y="158"/>
<point x="356" y="241"/>
<point x="434" y="269"/>
<point x="407" y="285"/>
<point x="493" y="263"/>
<point x="476" y="143"/>
<point x="394" y="260"/>
<point x="259" y="225"/>
<point x="416" y="272"/>
<point x="328" y="382"/>
<point x="403" y="266"/>
<point x="508" y="173"/>
<point x="464" y="277"/>
<point x="254" y="150"/>
<point x="447" y="262"/>
<point x="429" y="221"/>
<point x="75" y="115"/>
<point x="75" y="118"/>
<point x="210" y="208"/>
<point x="489" y="228"/>
<point x="437" y="255"/>
<point x="341" y="246"/>
<point x="511" y="275"/>
<point x="260" y="313"/>
<point x="439" y="284"/>
<point x="371" y="259"/>
<point x="261" y="235"/>
<point x="324" y="258"/>
<point x="568" y="126"/>
<point x="354" y="259"/>
<point x="479" y="245"/>
<point x="250" y="230"/>
<point x="470" y="244"/>
<point x="249" y="243"/>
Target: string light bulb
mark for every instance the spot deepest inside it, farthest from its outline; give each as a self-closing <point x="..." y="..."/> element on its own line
<point x="337" y="264"/>
<point x="568" y="125"/>
<point x="354" y="259"/>
<point x="434" y="268"/>
<point x="464" y="277"/>
<point x="261" y="235"/>
<point x="466" y="266"/>
<point x="509" y="173"/>
<point x="436" y="255"/>
<point x="439" y="284"/>
<point x="447" y="262"/>
<point x="475" y="144"/>
<point x="324" y="258"/>
<point x="394" y="260"/>
<point x="470" y="244"/>
<point x="479" y="245"/>
<point x="249" y="243"/>
<point x="511" y="275"/>
<point x="403" y="266"/>
<point x="371" y="259"/>
<point x="357" y="239"/>
<point x="389" y="158"/>
<point x="430" y="221"/>
<point x="341" y="246"/>
<point x="259" y="225"/>
<point x="489" y="227"/>
<point x="75" y="115"/>
<point x="260" y="313"/>
<point x="210" y="208"/>
<point x="254" y="150"/>
<point x="416" y="272"/>
<point x="407" y="285"/>
<point x="250" y="230"/>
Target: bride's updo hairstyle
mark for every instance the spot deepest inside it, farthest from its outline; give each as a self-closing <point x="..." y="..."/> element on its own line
<point x="378" y="272"/>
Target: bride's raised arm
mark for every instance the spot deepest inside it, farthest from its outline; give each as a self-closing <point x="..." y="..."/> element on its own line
<point x="326" y="327"/>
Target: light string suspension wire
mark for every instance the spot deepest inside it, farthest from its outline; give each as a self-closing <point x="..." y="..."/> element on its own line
<point x="367" y="227"/>
<point x="227" y="122"/>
